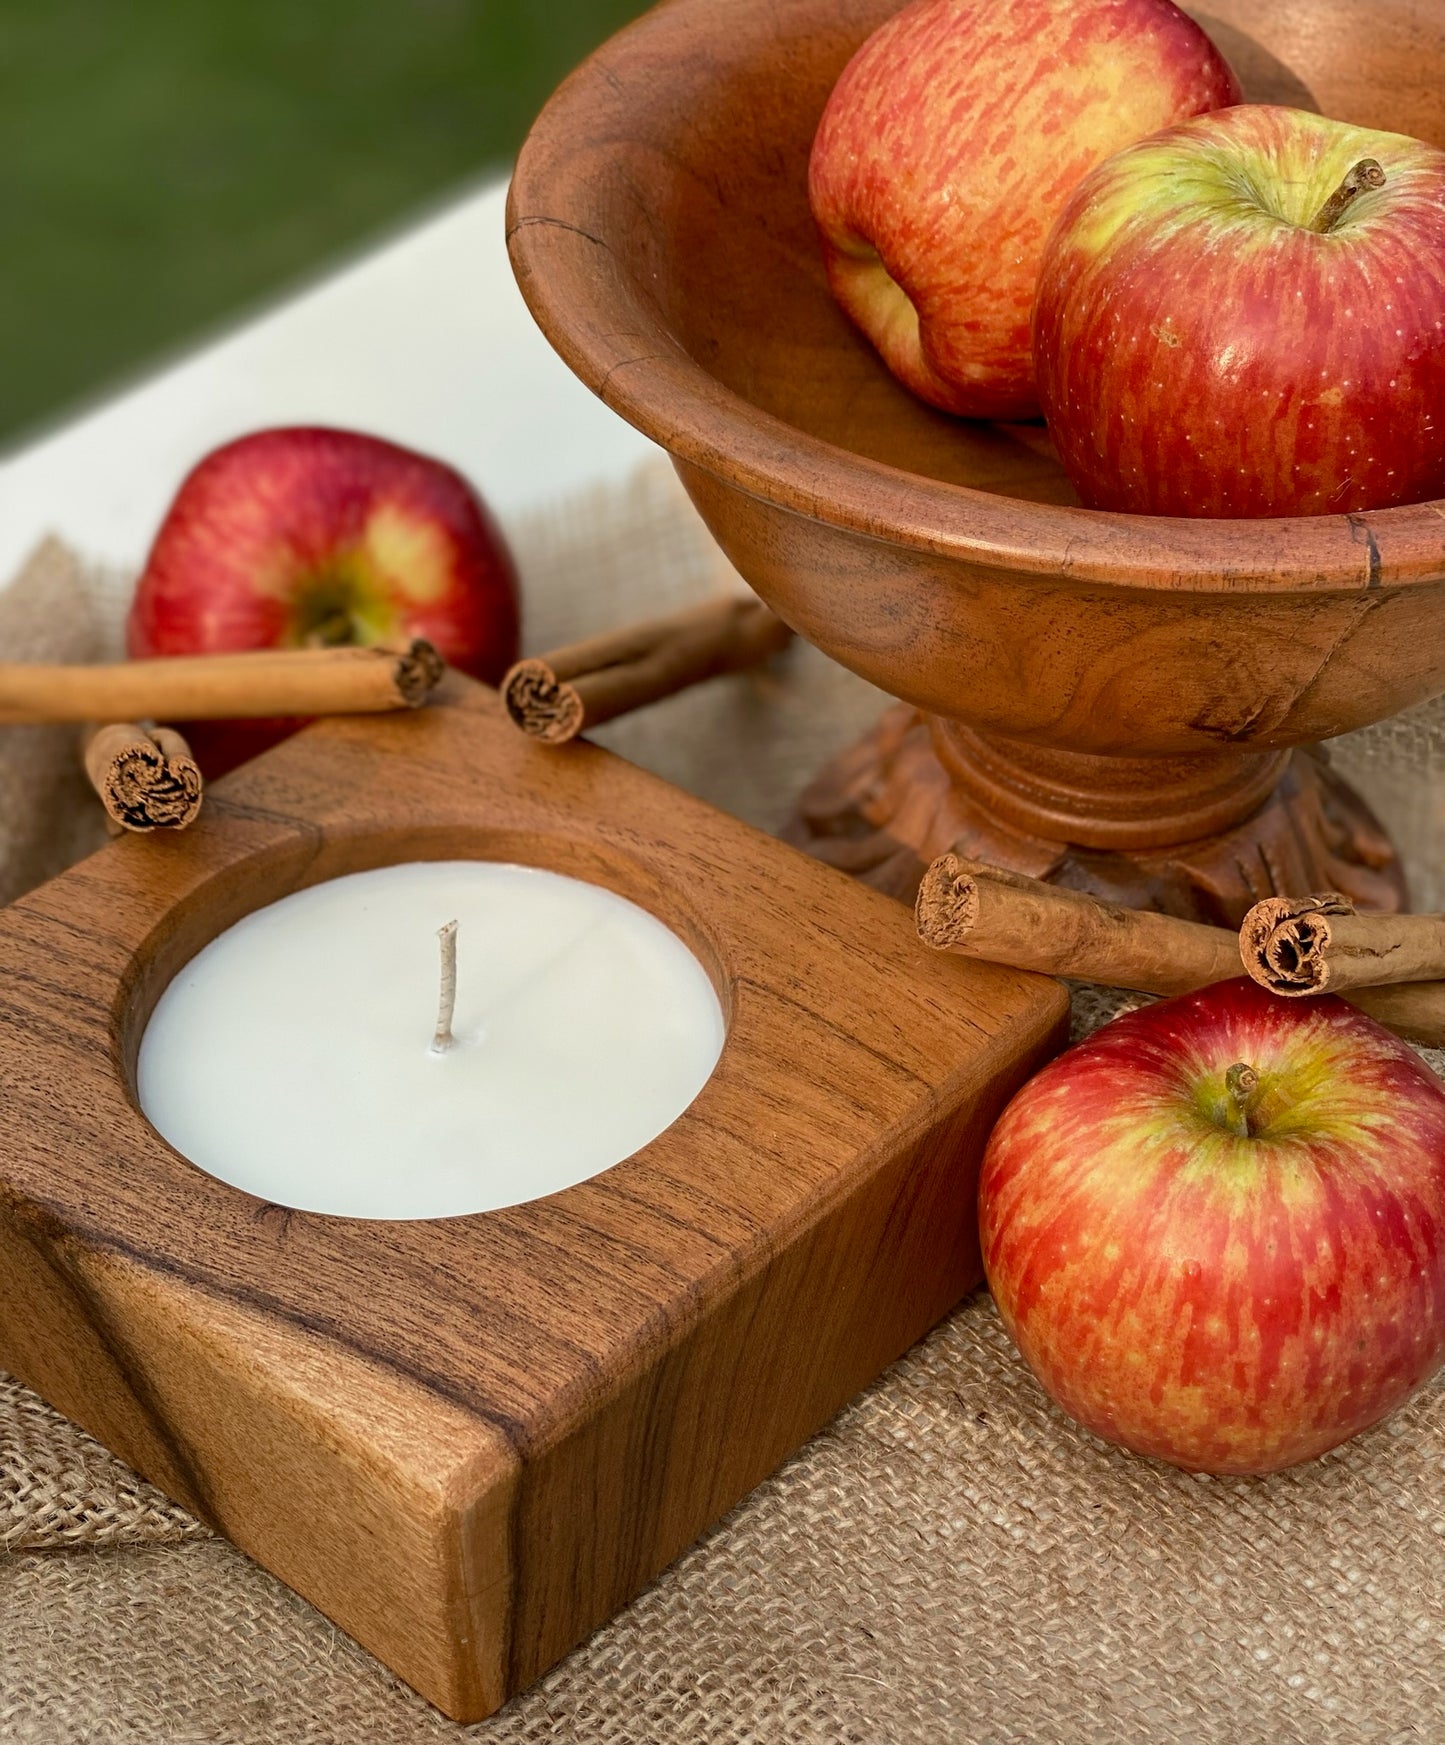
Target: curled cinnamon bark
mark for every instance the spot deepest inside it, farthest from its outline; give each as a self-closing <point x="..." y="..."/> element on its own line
<point x="553" y="697"/>
<point x="980" y="911"/>
<point x="542" y="705"/>
<point x="215" y="687"/>
<point x="1314" y="945"/>
<point x="146" y="779"/>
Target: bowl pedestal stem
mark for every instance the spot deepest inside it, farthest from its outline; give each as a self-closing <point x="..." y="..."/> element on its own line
<point x="1204" y="837"/>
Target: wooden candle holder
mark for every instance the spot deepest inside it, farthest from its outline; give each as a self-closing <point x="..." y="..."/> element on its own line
<point x="470" y="1440"/>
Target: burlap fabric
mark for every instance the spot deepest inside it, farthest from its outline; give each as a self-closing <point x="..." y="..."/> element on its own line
<point x="949" y="1560"/>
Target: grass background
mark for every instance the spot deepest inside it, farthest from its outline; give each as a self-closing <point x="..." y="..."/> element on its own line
<point x="165" y="164"/>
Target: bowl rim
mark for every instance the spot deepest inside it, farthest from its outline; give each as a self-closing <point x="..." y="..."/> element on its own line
<point x="612" y="337"/>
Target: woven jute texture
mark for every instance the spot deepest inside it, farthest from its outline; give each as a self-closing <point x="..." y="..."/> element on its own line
<point x="949" y="1560"/>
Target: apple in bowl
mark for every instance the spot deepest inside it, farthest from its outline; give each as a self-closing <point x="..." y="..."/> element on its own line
<point x="1245" y="316"/>
<point x="948" y="147"/>
<point x="305" y="536"/>
<point x="1216" y="1228"/>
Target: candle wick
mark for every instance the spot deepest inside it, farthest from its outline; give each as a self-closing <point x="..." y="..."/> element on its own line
<point x="446" y="1006"/>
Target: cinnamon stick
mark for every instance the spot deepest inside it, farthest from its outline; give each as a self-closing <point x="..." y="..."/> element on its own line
<point x="553" y="697"/>
<point x="1414" y="1010"/>
<point x="147" y="780"/>
<point x="213" y="687"/>
<point x="1317" y="945"/>
<point x="984" y="912"/>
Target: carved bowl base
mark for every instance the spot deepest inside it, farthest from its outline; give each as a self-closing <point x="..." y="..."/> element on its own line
<point x="908" y="792"/>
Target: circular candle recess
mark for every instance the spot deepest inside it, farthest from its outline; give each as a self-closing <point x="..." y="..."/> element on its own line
<point x="293" y="1057"/>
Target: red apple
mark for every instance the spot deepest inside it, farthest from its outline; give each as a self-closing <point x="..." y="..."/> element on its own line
<point x="1223" y="330"/>
<point x="1231" y="1280"/>
<point x="947" y="149"/>
<point x="304" y="537"/>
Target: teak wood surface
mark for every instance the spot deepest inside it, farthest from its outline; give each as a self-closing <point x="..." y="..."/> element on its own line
<point x="470" y="1440"/>
<point x="1095" y="686"/>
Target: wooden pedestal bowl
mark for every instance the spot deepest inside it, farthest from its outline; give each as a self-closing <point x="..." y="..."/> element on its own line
<point x="1111" y="700"/>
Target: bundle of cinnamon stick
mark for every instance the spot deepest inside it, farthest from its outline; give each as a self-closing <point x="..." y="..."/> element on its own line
<point x="148" y="780"/>
<point x="145" y="775"/>
<point x="1391" y="966"/>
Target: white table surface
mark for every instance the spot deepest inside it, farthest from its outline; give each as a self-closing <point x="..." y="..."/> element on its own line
<point x="426" y="340"/>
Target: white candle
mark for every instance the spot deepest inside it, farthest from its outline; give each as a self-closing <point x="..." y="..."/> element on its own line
<point x="293" y="1057"/>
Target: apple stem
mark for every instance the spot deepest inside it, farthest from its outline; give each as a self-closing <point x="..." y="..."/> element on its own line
<point x="446" y="1006"/>
<point x="1241" y="1087"/>
<point x="1366" y="174"/>
<point x="332" y="632"/>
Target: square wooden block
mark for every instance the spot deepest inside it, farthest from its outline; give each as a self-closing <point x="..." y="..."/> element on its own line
<point x="470" y="1440"/>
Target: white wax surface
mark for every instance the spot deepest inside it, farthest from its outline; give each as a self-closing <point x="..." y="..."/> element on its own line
<point x="292" y="1056"/>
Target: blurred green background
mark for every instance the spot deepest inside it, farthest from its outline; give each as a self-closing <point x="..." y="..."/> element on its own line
<point x="166" y="165"/>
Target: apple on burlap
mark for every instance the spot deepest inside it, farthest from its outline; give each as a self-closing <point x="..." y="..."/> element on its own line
<point x="304" y="536"/>
<point x="1216" y="1228"/>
